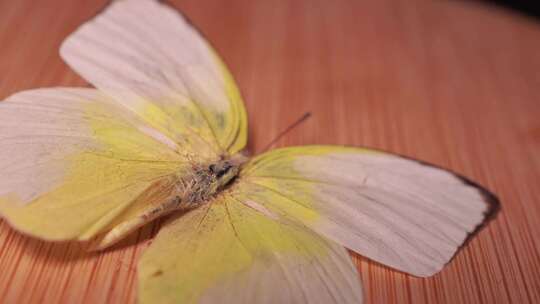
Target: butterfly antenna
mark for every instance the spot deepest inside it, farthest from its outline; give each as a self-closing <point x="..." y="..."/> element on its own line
<point x="287" y="130"/>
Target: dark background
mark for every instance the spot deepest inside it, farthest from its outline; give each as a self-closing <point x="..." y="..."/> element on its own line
<point x="530" y="8"/>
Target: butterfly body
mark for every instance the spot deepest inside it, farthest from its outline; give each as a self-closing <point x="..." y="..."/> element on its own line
<point x="208" y="180"/>
<point x="179" y="192"/>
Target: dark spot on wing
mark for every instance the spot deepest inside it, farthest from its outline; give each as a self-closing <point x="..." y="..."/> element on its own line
<point x="157" y="273"/>
<point x="220" y="121"/>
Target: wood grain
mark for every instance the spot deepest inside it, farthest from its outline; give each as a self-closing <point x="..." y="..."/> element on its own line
<point x="449" y="82"/>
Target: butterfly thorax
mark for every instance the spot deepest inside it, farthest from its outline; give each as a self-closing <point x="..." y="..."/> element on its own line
<point x="208" y="180"/>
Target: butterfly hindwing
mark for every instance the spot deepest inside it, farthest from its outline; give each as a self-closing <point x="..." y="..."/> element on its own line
<point x="233" y="250"/>
<point x="396" y="211"/>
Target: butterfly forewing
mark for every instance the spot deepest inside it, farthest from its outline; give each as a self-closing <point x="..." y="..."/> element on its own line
<point x="146" y="56"/>
<point x="397" y="211"/>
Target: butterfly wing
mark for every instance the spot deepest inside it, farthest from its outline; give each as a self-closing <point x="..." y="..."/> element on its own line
<point x="235" y="251"/>
<point x="397" y="211"/>
<point x="148" y="58"/>
<point x="73" y="159"/>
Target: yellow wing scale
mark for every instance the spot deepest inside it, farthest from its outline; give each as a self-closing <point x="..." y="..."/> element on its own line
<point x="236" y="138"/>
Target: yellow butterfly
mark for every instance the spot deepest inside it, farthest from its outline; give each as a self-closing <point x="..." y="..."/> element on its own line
<point x="163" y="131"/>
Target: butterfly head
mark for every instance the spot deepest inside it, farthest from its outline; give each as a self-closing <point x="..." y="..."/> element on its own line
<point x="224" y="171"/>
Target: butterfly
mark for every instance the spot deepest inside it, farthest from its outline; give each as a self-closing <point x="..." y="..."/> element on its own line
<point x="163" y="133"/>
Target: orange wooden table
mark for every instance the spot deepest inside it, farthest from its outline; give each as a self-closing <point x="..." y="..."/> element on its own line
<point x="449" y="82"/>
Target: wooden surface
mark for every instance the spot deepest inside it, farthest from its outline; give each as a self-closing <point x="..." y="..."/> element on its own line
<point x="449" y="82"/>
